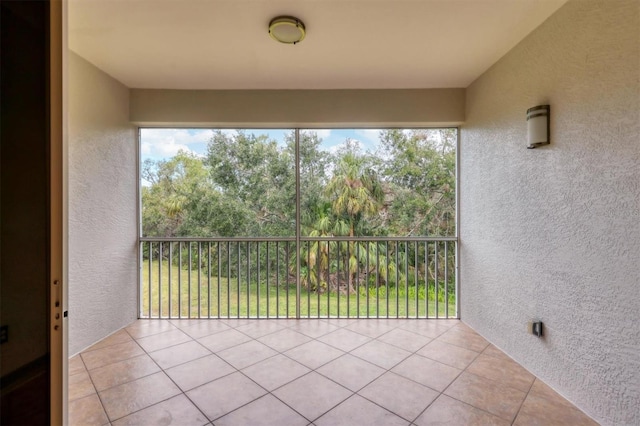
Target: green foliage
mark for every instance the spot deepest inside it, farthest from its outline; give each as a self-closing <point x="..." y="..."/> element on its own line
<point x="245" y="186"/>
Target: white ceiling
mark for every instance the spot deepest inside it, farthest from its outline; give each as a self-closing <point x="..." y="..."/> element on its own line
<point x="357" y="44"/>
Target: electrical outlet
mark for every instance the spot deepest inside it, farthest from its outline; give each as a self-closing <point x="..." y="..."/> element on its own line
<point x="535" y="328"/>
<point x="4" y="334"/>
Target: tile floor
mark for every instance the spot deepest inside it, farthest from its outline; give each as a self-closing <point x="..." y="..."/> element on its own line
<point x="321" y="372"/>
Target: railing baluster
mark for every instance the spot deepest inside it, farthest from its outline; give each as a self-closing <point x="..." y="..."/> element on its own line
<point x="317" y="257"/>
<point x="150" y="274"/>
<point x="348" y="277"/>
<point x="218" y="278"/>
<point x="377" y="246"/>
<point x="435" y="277"/>
<point x="397" y="281"/>
<point x="446" y="279"/>
<point x="356" y="285"/>
<point x="248" y="279"/>
<point x="386" y="280"/>
<point x="277" y="279"/>
<point x="238" y="292"/>
<point x="416" y="271"/>
<point x="180" y="279"/>
<point x="228" y="268"/>
<point x="286" y="274"/>
<point x="170" y="279"/>
<point x="209" y="280"/>
<point x="199" y="278"/>
<point x="366" y="277"/>
<point x="258" y="279"/>
<point x="160" y="279"/>
<point x="267" y="276"/>
<point x="309" y="282"/>
<point x="318" y="275"/>
<point x="338" y="282"/>
<point x="426" y="279"/>
<point x="329" y="281"/>
<point x="406" y="281"/>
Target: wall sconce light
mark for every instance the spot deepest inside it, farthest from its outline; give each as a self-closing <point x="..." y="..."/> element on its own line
<point x="538" y="119"/>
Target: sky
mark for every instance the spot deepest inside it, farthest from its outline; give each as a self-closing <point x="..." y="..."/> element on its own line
<point x="158" y="144"/>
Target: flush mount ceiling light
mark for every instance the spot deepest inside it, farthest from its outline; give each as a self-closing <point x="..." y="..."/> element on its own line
<point x="287" y="29"/>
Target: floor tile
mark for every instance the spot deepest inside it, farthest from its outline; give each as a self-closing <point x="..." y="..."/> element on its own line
<point x="205" y="328"/>
<point x="340" y="322"/>
<point x="163" y="340"/>
<point x="223" y="340"/>
<point x="399" y="395"/>
<point x="198" y="372"/>
<point x="246" y="354"/>
<point x="284" y="339"/>
<point x="540" y="389"/>
<point x="426" y="371"/>
<point x="142" y="328"/>
<point x="537" y="411"/>
<point x="381" y="354"/>
<point x="464" y="339"/>
<point x="449" y="411"/>
<point x="183" y="323"/>
<point x="370" y="327"/>
<point x="120" y="336"/>
<point x="123" y="371"/>
<point x="404" y="339"/>
<point x="111" y="354"/>
<point x="428" y="328"/>
<point x="80" y="385"/>
<point x="259" y="328"/>
<point x="176" y="411"/>
<point x="502" y="370"/>
<point x="425" y="356"/>
<point x="487" y="395"/>
<point x="224" y="395"/>
<point x="265" y="411"/>
<point x="344" y="339"/>
<point x="314" y="354"/>
<point x="312" y="395"/>
<point x="179" y="354"/>
<point x="351" y="372"/>
<point x="87" y="411"/>
<point x="314" y="328"/>
<point x="491" y="350"/>
<point x="236" y="322"/>
<point x="357" y="411"/>
<point x="445" y="353"/>
<point x="76" y="365"/>
<point x="130" y="397"/>
<point x="275" y="372"/>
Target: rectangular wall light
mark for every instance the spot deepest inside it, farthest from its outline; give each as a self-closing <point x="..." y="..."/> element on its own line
<point x="538" y="132"/>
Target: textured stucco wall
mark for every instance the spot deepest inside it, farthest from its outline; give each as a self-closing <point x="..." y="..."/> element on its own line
<point x="297" y="108"/>
<point x="102" y="206"/>
<point x="554" y="233"/>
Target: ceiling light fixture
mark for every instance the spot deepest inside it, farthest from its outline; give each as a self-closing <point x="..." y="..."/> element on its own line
<point x="287" y="29"/>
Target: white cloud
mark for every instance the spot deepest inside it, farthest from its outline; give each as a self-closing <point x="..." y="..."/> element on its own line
<point x="335" y="148"/>
<point x="370" y="137"/>
<point x="167" y="142"/>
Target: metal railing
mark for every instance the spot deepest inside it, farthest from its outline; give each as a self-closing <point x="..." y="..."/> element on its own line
<point x="343" y="277"/>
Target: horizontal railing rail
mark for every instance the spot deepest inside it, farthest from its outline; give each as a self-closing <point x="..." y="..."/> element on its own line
<point x="343" y="277"/>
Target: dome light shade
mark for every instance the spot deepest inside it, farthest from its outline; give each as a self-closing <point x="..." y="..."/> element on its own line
<point x="287" y="29"/>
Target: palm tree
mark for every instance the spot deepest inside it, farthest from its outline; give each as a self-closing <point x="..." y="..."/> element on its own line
<point x="356" y="194"/>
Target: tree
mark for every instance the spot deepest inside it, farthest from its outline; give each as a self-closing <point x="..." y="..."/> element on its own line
<point x="419" y="165"/>
<point x="258" y="174"/>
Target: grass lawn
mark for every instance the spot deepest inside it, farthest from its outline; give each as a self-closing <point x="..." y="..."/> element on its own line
<point x="234" y="298"/>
